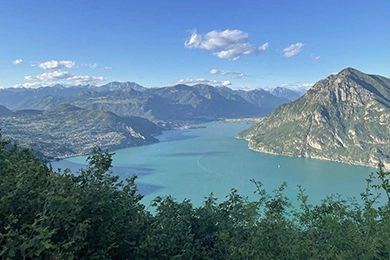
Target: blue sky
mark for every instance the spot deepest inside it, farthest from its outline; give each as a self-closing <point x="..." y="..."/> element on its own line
<point x="241" y="44"/>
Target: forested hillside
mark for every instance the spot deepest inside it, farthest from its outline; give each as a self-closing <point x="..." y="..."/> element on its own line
<point x="65" y="130"/>
<point x="344" y="117"/>
<point x="46" y="214"/>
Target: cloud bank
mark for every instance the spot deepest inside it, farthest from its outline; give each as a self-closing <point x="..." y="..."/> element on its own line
<point x="55" y="75"/>
<point x="62" y="75"/>
<point x="228" y="44"/>
<point x="234" y="74"/>
<point x="190" y="81"/>
<point x="54" y="64"/>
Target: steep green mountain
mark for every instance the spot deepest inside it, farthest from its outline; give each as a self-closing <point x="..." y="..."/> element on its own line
<point x="345" y="117"/>
<point x="66" y="130"/>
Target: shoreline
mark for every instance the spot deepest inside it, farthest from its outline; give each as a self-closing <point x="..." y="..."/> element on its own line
<point x="259" y="150"/>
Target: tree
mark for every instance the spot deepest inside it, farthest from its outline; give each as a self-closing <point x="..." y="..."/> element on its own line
<point x="93" y="215"/>
<point x="46" y="214"/>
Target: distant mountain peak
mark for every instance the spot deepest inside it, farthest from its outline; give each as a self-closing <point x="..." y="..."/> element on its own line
<point x="287" y="93"/>
<point x="352" y="84"/>
<point x="172" y="105"/>
<point x="349" y="70"/>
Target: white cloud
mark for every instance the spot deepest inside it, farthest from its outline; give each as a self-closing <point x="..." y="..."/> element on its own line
<point x="313" y="57"/>
<point x="30" y="78"/>
<point x="71" y="81"/>
<point x="204" y="81"/>
<point x="292" y="50"/>
<point x="108" y="68"/>
<point x="17" y="61"/>
<point x="226" y="83"/>
<point x="226" y="72"/>
<point x="91" y="66"/>
<point x="59" y="77"/>
<point x="58" y="74"/>
<point x="36" y="84"/>
<point x="228" y="44"/>
<point x="54" y="64"/>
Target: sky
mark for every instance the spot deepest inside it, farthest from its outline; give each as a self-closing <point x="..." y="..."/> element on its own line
<point x="240" y="44"/>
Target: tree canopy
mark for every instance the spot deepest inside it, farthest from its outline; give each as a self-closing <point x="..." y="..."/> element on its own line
<point x="91" y="214"/>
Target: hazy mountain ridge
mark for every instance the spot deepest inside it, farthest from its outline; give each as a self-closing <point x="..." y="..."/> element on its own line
<point x="263" y="98"/>
<point x="165" y="105"/>
<point x="345" y="117"/>
<point x="66" y="130"/>
<point x="4" y="110"/>
<point x="15" y="98"/>
<point x="286" y="93"/>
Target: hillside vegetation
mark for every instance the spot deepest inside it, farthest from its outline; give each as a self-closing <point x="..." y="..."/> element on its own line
<point x="345" y="117"/>
<point x="66" y="130"/>
<point x="90" y="214"/>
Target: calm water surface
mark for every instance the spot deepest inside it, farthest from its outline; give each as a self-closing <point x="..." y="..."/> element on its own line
<point x="193" y="163"/>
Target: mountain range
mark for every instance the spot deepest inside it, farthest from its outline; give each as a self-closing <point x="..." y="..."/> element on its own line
<point x="67" y="121"/>
<point x="167" y="106"/>
<point x="344" y="117"/>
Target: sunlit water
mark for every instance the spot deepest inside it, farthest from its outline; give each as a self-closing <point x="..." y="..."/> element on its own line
<point x="190" y="164"/>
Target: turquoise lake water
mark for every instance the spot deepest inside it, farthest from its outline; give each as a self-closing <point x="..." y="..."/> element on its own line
<point x="190" y="164"/>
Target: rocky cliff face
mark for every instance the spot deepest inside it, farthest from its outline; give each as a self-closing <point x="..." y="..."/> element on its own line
<point x="345" y="117"/>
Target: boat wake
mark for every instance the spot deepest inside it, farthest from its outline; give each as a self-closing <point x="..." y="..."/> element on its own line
<point x="201" y="166"/>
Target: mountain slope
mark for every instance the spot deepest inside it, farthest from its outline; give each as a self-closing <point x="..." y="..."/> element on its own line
<point x="263" y="98"/>
<point x="286" y="93"/>
<point x="66" y="130"/>
<point x="204" y="102"/>
<point x="46" y="97"/>
<point x="4" y="110"/>
<point x="345" y="117"/>
<point x="176" y="104"/>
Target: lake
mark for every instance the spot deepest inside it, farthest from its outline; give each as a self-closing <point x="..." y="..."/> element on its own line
<point x="190" y="164"/>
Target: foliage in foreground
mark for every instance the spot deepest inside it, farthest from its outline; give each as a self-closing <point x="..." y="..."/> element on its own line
<point x="92" y="215"/>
